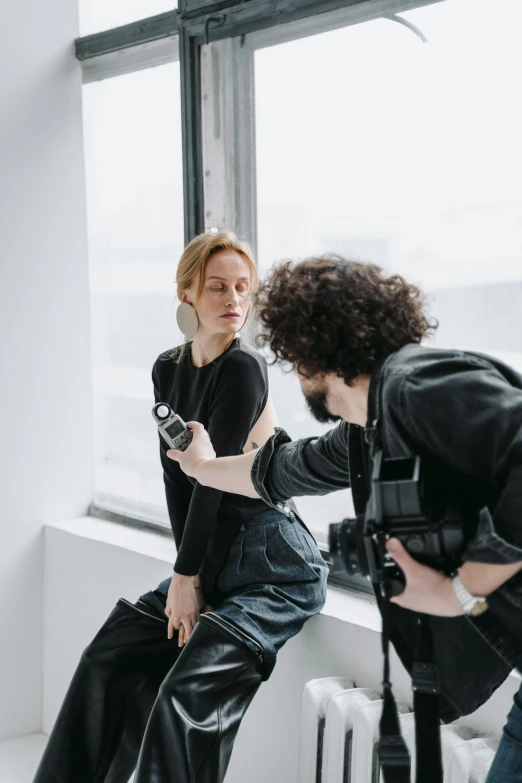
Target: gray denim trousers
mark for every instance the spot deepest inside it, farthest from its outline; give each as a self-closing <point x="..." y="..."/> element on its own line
<point x="273" y="580"/>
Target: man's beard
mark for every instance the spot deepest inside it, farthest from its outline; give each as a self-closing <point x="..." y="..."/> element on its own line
<point x="316" y="402"/>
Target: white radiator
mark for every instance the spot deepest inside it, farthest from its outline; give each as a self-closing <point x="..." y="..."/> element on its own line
<point x="316" y="696"/>
<point x="340" y="729"/>
<point x="468" y="761"/>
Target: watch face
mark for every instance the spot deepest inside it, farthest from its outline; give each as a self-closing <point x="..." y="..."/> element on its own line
<point x="479" y="608"/>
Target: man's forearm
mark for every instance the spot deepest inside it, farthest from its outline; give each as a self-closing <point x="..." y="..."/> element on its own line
<point x="481" y="579"/>
<point x="229" y="474"/>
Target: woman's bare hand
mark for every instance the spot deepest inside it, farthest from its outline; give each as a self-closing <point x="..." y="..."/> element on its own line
<point x="183" y="607"/>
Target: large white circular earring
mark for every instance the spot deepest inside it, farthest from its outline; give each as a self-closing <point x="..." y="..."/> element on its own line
<point x="187" y="320"/>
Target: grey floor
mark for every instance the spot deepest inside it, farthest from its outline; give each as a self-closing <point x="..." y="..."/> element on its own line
<point x="19" y="758"/>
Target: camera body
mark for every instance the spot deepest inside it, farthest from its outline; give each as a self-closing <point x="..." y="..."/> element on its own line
<point x="402" y="505"/>
<point x="171" y="427"/>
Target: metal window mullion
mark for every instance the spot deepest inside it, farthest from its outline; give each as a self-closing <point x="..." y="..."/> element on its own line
<point x="190" y="74"/>
<point x="216" y="190"/>
<point x="245" y="180"/>
<point x="228" y="134"/>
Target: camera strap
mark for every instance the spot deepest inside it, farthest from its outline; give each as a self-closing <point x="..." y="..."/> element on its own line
<point x="393" y="752"/>
<point x="394" y="756"/>
<point x="426" y="690"/>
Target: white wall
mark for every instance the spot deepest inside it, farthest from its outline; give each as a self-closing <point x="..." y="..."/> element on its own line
<point x="89" y="564"/>
<point x="45" y="409"/>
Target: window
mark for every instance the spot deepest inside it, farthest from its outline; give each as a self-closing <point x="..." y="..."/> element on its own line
<point x="377" y="146"/>
<point x="340" y="132"/>
<point x="135" y="221"/>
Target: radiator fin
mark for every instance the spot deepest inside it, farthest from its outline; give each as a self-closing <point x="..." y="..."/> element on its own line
<point x="468" y="760"/>
<point x="348" y="747"/>
<point x="316" y="696"/>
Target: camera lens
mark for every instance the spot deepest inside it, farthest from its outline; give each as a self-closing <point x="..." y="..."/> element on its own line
<point x="334" y="545"/>
<point x="346" y="543"/>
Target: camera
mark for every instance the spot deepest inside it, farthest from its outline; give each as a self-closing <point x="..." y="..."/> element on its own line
<point x="171" y="427"/>
<point x="402" y="505"/>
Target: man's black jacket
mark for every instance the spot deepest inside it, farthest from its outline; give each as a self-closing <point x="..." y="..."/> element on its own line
<point x="462" y="413"/>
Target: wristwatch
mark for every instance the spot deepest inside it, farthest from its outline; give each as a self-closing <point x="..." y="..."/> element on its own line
<point x="472" y="604"/>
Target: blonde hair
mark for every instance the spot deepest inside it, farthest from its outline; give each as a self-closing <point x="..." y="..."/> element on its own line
<point x="196" y="256"/>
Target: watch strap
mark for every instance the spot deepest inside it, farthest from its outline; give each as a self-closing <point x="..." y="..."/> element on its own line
<point x="471" y="604"/>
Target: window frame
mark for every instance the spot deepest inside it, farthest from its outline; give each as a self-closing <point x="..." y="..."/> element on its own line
<point x="211" y="39"/>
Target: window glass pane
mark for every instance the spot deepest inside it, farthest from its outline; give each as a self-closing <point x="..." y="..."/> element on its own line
<point x="375" y="145"/>
<point x="135" y="220"/>
<point x="98" y="15"/>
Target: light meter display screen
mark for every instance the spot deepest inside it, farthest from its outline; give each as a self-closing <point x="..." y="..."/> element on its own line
<point x="174" y="429"/>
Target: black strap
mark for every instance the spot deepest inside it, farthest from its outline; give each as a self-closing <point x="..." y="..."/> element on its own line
<point x="425" y="681"/>
<point x="393" y="753"/>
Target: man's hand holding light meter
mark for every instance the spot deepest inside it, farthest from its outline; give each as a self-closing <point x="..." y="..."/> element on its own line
<point x="229" y="474"/>
<point x="192" y="459"/>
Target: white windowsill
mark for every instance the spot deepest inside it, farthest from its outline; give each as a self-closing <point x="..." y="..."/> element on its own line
<point x="351" y="607"/>
<point x="144" y="542"/>
<point x="344" y="605"/>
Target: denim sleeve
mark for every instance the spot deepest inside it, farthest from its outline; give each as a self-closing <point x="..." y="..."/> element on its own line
<point x="312" y="466"/>
<point x="488" y="547"/>
<point x="469" y="416"/>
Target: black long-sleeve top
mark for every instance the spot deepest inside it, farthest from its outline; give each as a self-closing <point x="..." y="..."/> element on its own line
<point x="227" y="396"/>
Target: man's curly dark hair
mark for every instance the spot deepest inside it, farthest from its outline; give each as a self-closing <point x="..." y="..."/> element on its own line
<point x="331" y="315"/>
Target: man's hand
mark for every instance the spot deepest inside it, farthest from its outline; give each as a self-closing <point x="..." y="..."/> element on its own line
<point x="228" y="474"/>
<point x="198" y="452"/>
<point x="183" y="607"/>
<point x="427" y="591"/>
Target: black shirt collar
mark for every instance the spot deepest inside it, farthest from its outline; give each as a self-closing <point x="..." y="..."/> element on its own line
<point x="374" y="404"/>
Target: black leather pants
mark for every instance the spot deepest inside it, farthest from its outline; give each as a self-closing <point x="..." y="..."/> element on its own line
<point x="200" y="705"/>
<point x="195" y="697"/>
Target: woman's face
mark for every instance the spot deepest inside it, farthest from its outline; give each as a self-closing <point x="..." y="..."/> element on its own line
<point x="224" y="303"/>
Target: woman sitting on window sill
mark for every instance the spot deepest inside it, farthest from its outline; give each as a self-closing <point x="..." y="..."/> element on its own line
<point x="166" y="681"/>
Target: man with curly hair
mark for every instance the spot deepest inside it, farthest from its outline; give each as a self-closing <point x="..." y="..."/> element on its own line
<point x="353" y="335"/>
